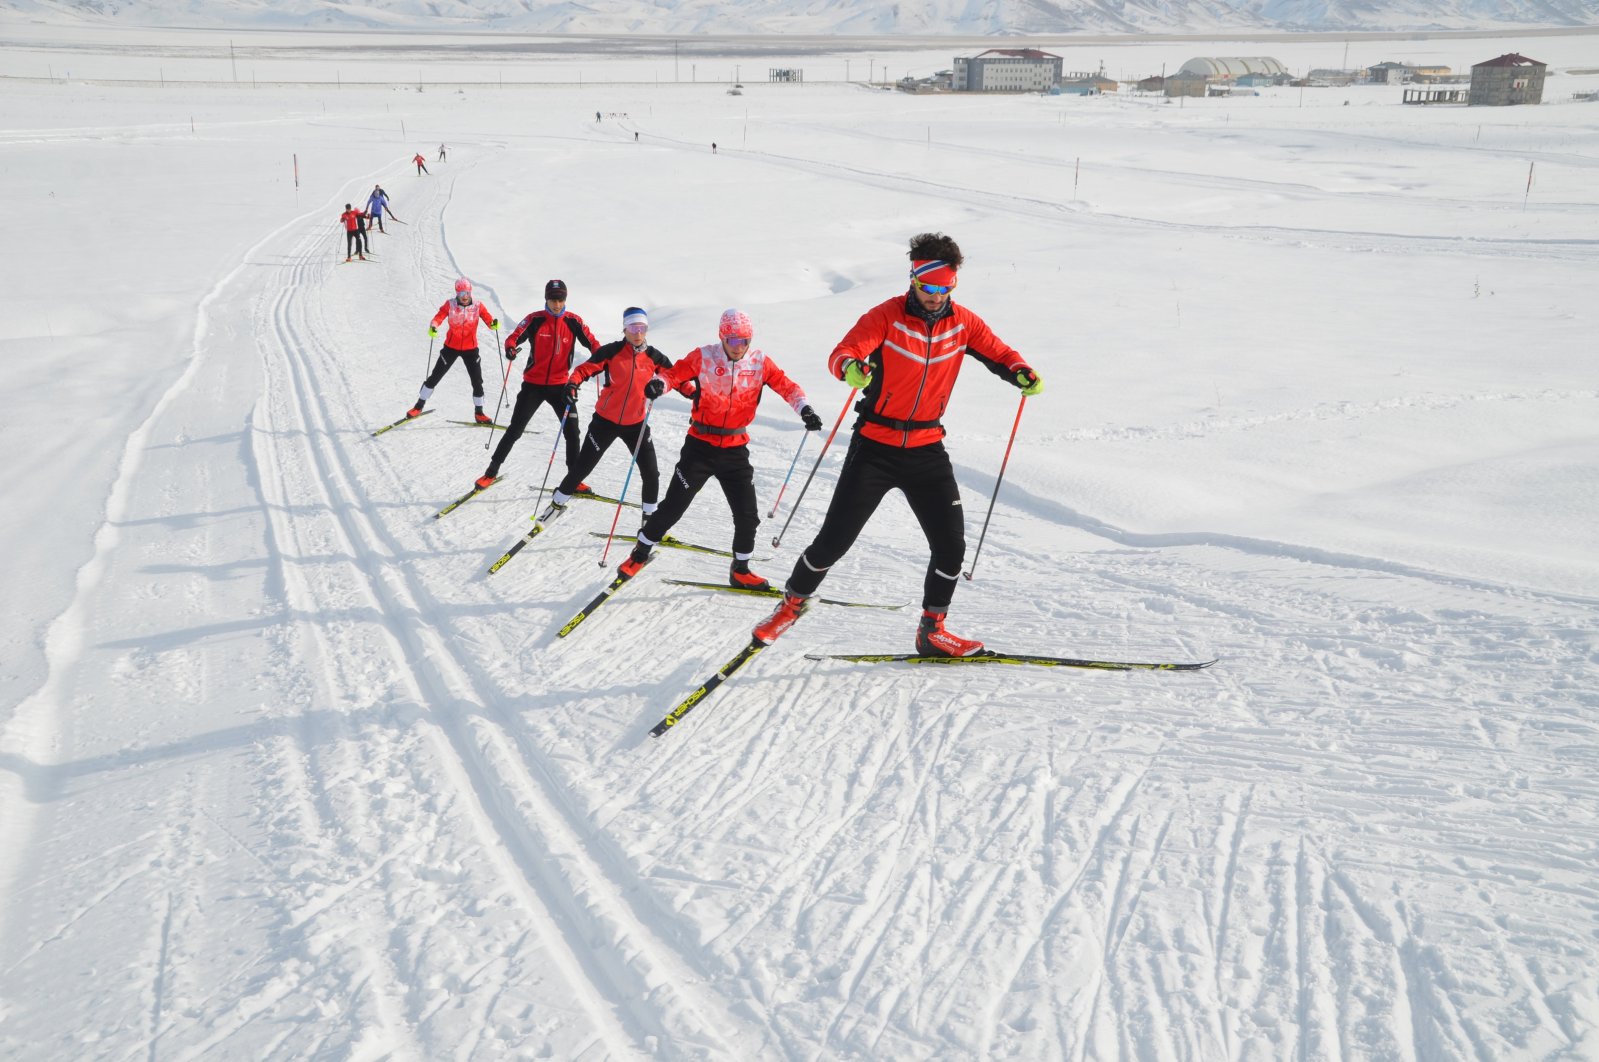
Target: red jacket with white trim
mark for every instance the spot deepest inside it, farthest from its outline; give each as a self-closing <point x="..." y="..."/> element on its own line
<point x="551" y="342"/>
<point x="914" y="364"/>
<point x="729" y="391"/>
<point x="627" y="369"/>
<point x="463" y="323"/>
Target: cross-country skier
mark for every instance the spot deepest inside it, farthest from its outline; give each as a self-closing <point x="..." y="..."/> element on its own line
<point x="903" y="356"/>
<point x="352" y="233"/>
<point x="441" y="153"/>
<point x="421" y="164"/>
<point x="375" y="205"/>
<point x="553" y="335"/>
<point x="464" y="313"/>
<point x="630" y="366"/>
<point x="728" y="375"/>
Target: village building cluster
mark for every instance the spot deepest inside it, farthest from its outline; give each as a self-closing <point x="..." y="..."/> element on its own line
<point x="1506" y="80"/>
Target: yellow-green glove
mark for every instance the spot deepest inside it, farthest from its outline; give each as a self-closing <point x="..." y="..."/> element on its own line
<point x="857" y="374"/>
<point x="433" y="333"/>
<point x="1030" y="382"/>
<point x="494" y="325"/>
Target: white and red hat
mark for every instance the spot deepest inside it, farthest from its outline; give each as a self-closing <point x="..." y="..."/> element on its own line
<point x="735" y="324"/>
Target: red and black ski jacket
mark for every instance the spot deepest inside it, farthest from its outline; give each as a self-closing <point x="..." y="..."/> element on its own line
<point x="552" y="342"/>
<point x="914" y="363"/>
<point x="627" y="369"/>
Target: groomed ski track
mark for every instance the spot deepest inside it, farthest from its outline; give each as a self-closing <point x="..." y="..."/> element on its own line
<point x="464" y="844"/>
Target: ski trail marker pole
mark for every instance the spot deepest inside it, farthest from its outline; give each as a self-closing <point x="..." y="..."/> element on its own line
<point x="779" y="499"/>
<point x="778" y="541"/>
<point x="1000" y="479"/>
<point x="643" y="428"/>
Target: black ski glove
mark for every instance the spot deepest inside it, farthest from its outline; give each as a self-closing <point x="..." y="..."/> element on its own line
<point x="510" y="351"/>
<point x="812" y="421"/>
<point x="653" y="389"/>
<point x="571" y="395"/>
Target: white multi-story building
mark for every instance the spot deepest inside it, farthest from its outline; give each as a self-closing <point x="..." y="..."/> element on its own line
<point x="1007" y="70"/>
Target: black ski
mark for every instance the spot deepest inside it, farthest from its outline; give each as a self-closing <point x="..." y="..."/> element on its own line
<point x="773" y="591"/>
<point x="548" y="517"/>
<point x="687" y="704"/>
<point x="990" y="657"/>
<point x="478" y="424"/>
<point x="462" y="500"/>
<point x="402" y="421"/>
<point x="589" y="609"/>
<point x="672" y="543"/>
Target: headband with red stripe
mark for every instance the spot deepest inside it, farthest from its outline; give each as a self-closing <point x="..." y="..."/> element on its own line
<point x="933" y="271"/>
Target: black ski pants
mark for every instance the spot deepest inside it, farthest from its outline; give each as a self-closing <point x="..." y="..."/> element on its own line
<point x="872" y="469"/>
<point x="528" y="400"/>
<point x="352" y="243"/>
<point x="469" y="358"/>
<point x="601" y="434"/>
<point x="698" y="462"/>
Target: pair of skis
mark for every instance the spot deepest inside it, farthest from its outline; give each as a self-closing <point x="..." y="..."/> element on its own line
<point x="746" y="654"/>
<point x="407" y="419"/>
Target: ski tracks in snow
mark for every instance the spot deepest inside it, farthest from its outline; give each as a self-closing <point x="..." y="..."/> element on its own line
<point x="441" y="729"/>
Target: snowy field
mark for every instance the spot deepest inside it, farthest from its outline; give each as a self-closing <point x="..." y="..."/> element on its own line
<point x="285" y="774"/>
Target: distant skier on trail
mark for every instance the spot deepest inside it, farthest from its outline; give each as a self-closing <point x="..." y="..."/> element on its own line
<point x="465" y="314"/>
<point x="441" y="153"/>
<point x="630" y="366"/>
<point x="352" y="233"/>
<point x="904" y="355"/>
<point x="553" y="335"/>
<point x="729" y="376"/>
<point x="421" y="164"/>
<point x="376" y="203"/>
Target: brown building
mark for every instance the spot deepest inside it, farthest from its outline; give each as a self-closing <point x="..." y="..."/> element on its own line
<point x="1507" y="80"/>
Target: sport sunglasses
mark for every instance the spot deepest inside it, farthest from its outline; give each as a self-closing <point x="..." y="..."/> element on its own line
<point x="933" y="289"/>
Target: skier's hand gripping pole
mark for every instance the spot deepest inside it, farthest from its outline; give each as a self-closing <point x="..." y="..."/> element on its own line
<point x="778" y="540"/>
<point x="1000" y="479"/>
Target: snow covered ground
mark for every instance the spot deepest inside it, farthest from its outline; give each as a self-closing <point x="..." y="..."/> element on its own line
<point x="285" y="774"/>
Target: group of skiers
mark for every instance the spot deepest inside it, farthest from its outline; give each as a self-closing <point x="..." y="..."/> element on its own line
<point x="355" y="223"/>
<point x="902" y="357"/>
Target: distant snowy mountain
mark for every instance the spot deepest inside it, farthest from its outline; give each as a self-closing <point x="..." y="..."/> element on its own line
<point x="920" y="17"/>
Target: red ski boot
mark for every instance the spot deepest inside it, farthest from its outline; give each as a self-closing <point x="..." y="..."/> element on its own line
<point x="933" y="640"/>
<point x="782" y="618"/>
<point x="740" y="576"/>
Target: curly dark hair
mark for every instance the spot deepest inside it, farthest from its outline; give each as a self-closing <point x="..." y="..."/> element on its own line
<point x="930" y="245"/>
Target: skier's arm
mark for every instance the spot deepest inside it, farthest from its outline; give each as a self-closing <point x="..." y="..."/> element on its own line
<point x="779" y="381"/>
<point x="1000" y="358"/>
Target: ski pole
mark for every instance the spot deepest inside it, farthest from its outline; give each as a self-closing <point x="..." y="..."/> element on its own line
<point x="428" y="364"/>
<point x="643" y="429"/>
<point x="560" y="429"/>
<point x="501" y="403"/>
<point x="779" y="499"/>
<point x="1001" y="478"/>
<point x="778" y="541"/>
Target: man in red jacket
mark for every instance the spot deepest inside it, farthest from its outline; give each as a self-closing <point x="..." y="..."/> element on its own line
<point x="728" y="376"/>
<point x="460" y="342"/>
<point x="352" y="232"/>
<point x="630" y="366"/>
<point x="553" y="335"/>
<point x="903" y="356"/>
